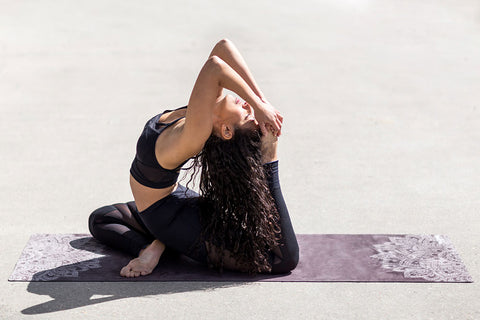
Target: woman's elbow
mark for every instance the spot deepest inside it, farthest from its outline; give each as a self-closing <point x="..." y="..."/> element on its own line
<point x="222" y="45"/>
<point x="214" y="64"/>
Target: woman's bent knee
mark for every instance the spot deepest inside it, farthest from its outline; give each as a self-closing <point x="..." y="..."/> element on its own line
<point x="97" y="217"/>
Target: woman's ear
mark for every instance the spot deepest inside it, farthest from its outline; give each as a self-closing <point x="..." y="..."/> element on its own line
<point x="226" y="131"/>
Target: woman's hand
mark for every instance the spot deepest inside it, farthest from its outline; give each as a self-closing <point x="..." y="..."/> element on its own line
<point x="269" y="119"/>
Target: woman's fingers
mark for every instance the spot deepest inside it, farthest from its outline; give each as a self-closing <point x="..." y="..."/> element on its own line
<point x="280" y="117"/>
<point x="269" y="119"/>
<point x="279" y="123"/>
<point x="275" y="126"/>
<point x="269" y="129"/>
<point x="263" y="128"/>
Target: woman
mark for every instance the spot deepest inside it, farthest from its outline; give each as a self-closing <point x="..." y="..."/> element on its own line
<point x="240" y="221"/>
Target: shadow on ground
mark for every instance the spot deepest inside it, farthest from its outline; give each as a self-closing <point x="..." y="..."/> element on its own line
<point x="71" y="295"/>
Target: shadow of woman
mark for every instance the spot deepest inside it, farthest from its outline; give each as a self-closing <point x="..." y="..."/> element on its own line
<point x="82" y="282"/>
<point x="72" y="295"/>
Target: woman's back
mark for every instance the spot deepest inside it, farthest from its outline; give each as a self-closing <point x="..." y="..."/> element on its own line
<point x="150" y="180"/>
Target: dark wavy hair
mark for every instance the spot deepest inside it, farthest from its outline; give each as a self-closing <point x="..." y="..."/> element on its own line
<point x="239" y="218"/>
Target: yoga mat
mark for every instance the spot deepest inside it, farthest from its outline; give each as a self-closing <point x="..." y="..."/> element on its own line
<point x="323" y="257"/>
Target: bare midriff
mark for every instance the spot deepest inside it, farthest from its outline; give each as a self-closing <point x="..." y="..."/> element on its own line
<point x="146" y="196"/>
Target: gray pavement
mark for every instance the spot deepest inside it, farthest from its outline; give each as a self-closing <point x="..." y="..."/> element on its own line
<point x="382" y="115"/>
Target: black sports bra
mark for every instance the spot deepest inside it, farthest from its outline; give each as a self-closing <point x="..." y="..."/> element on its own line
<point x="145" y="167"/>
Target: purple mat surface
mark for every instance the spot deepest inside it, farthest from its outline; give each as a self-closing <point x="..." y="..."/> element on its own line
<point x="323" y="257"/>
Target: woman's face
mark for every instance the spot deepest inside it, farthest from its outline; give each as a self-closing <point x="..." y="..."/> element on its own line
<point x="236" y="112"/>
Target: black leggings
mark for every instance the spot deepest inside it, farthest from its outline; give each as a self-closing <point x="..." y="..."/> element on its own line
<point x="175" y="221"/>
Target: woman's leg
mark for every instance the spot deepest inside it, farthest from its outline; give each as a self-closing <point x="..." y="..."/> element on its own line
<point x="175" y="221"/>
<point x="117" y="226"/>
<point x="286" y="257"/>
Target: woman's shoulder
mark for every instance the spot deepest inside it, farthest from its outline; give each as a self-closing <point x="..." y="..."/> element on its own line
<point x="170" y="116"/>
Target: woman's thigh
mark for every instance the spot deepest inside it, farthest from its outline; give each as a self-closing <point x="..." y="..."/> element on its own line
<point x="175" y="221"/>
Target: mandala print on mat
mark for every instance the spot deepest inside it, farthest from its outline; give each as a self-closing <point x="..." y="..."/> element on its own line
<point x="431" y="257"/>
<point x="52" y="257"/>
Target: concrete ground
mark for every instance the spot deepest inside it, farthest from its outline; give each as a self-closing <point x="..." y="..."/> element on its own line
<point x="382" y="131"/>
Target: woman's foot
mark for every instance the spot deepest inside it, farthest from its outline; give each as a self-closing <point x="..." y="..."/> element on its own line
<point x="146" y="261"/>
<point x="269" y="147"/>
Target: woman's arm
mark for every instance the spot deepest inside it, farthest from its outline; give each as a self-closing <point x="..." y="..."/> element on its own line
<point x="215" y="75"/>
<point x="228" y="52"/>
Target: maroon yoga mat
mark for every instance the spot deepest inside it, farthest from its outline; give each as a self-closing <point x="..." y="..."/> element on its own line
<point x="323" y="257"/>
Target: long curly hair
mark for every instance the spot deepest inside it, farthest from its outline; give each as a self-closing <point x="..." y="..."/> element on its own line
<point x="239" y="218"/>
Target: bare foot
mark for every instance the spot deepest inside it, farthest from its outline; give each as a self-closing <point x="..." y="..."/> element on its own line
<point x="146" y="261"/>
<point x="269" y="147"/>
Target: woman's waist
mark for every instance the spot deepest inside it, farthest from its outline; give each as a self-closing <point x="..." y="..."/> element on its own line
<point x="145" y="196"/>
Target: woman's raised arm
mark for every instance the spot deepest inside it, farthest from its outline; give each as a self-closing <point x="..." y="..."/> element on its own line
<point x="228" y="52"/>
<point x="215" y="75"/>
